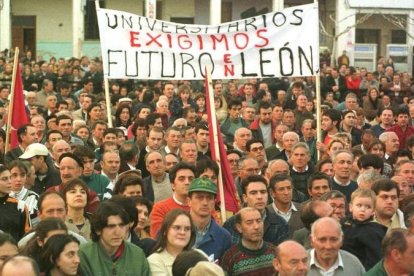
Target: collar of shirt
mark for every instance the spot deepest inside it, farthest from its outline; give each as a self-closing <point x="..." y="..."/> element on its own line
<point x="340" y="183"/>
<point x="292" y="208"/>
<point x="237" y="148"/>
<point x="279" y="147"/>
<point x="305" y="170"/>
<point x="19" y="195"/>
<point x="131" y="167"/>
<point x="386" y="156"/>
<point x="168" y="150"/>
<point x="331" y="270"/>
<point x="177" y="201"/>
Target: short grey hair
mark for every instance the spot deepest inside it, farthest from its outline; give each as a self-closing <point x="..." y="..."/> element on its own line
<point x="301" y="145"/>
<point x="385" y="136"/>
<point x="335" y="155"/>
<point x="369" y="176"/>
<point x="291" y="133"/>
<point x="333" y="221"/>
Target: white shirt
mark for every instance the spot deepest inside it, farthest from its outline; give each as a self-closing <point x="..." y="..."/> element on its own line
<point x="284" y="215"/>
<point x="331" y="271"/>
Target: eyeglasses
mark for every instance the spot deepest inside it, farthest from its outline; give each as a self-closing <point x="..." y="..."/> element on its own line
<point x="233" y="160"/>
<point x="257" y="149"/>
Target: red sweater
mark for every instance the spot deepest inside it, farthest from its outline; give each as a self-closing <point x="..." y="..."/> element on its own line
<point x="159" y="211"/>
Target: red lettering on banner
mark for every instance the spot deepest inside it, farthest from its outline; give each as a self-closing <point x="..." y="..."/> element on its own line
<point x="153" y="39"/>
<point x="265" y="39"/>
<point x="236" y="40"/>
<point x="228" y="70"/>
<point x="200" y="41"/>
<point x="226" y="58"/>
<point x="184" y="39"/>
<point x="215" y="39"/>
<point x="169" y="38"/>
<point x="133" y="39"/>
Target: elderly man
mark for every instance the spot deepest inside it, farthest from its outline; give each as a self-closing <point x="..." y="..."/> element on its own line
<point x="71" y="167"/>
<point x="392" y="145"/>
<point x="301" y="168"/>
<point x="241" y="136"/>
<point x="157" y="185"/>
<point x="398" y="247"/>
<point x="342" y="161"/>
<point x="289" y="139"/>
<point x="59" y="148"/>
<point x="277" y="147"/>
<point x="252" y="249"/>
<point x="326" y="256"/>
<point x="291" y="259"/>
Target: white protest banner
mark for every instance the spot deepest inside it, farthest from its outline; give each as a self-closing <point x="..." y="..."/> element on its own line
<point x="278" y="44"/>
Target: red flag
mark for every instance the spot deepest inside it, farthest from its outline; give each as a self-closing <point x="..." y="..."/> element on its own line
<point x="18" y="111"/>
<point x="232" y="204"/>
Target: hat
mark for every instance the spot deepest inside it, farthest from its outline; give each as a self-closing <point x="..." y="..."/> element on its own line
<point x="74" y="157"/>
<point x="206" y="269"/>
<point x="34" y="149"/>
<point x="125" y="99"/>
<point x="203" y="185"/>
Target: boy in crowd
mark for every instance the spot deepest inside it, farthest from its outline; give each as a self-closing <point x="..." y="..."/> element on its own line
<point x="362" y="236"/>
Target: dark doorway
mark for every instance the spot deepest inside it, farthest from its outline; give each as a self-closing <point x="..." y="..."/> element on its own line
<point x="24" y="33"/>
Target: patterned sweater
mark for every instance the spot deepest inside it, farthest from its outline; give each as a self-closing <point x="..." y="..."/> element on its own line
<point x="239" y="260"/>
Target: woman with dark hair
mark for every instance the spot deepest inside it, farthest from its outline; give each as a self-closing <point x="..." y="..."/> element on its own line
<point x="177" y="234"/>
<point x="123" y="116"/>
<point x="372" y="104"/>
<point x="60" y="256"/>
<point x="75" y="194"/>
<point x="44" y="230"/>
<point x="377" y="147"/>
<point x="94" y="113"/>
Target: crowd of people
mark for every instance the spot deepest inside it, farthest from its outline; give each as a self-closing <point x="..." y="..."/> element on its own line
<point x="82" y="196"/>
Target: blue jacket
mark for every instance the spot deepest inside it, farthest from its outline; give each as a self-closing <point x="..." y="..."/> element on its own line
<point x="276" y="229"/>
<point x="216" y="241"/>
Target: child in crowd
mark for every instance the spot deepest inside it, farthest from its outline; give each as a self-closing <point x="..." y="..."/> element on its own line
<point x="362" y="236"/>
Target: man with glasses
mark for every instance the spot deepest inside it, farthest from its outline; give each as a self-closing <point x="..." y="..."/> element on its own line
<point x="233" y="156"/>
<point x="255" y="149"/>
<point x="247" y="166"/>
<point x="337" y="201"/>
<point x="108" y="253"/>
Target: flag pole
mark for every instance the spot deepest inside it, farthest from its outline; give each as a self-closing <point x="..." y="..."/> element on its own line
<point x="318" y="94"/>
<point x="11" y="103"/>
<point x="106" y="86"/>
<point x="213" y="120"/>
